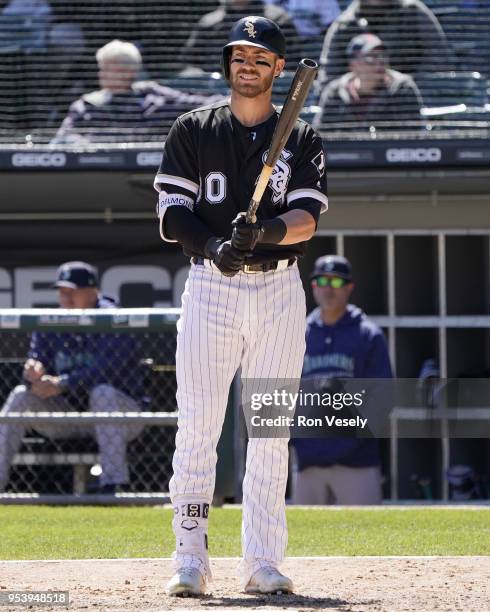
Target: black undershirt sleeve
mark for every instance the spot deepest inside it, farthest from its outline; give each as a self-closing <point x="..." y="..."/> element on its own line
<point x="182" y="225"/>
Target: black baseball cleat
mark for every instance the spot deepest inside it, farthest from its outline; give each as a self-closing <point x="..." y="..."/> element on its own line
<point x="269" y="580"/>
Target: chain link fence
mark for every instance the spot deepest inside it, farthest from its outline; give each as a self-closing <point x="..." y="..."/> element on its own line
<point x="93" y="411"/>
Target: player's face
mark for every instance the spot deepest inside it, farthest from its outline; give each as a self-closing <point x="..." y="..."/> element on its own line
<point x="331" y="292"/>
<point x="85" y="297"/>
<point x="252" y="70"/>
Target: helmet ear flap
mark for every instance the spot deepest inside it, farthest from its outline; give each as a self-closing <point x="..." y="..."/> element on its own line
<point x="225" y="62"/>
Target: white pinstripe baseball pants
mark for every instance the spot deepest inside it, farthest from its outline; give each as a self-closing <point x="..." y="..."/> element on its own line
<point x="256" y="321"/>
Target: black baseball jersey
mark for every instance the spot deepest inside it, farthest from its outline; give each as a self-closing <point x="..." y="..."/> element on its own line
<point x="211" y="164"/>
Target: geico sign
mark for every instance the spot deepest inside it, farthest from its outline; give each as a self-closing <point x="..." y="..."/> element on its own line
<point x="431" y="154"/>
<point x="39" y="160"/>
<point x="33" y="287"/>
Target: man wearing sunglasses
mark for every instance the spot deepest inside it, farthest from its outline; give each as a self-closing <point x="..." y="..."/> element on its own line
<point x="341" y="342"/>
<point x="371" y="93"/>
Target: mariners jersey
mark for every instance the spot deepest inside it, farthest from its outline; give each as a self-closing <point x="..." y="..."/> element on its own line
<point x="85" y="360"/>
<point x="354" y="347"/>
<point x="211" y="164"/>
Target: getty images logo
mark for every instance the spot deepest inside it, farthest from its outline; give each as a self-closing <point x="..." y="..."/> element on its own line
<point x="38" y="160"/>
<point x="420" y="154"/>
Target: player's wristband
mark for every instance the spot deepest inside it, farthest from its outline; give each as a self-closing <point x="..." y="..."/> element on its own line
<point x="274" y="231"/>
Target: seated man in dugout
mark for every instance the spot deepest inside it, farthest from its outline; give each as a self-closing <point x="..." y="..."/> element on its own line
<point x="124" y="108"/>
<point x="371" y="94"/>
<point x="71" y="371"/>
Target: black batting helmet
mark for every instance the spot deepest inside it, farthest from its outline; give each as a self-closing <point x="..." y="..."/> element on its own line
<point x="256" y="32"/>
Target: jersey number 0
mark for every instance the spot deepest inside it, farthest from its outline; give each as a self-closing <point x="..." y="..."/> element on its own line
<point x="215" y="187"/>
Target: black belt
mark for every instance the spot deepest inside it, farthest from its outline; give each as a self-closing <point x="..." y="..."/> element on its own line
<point x="267" y="266"/>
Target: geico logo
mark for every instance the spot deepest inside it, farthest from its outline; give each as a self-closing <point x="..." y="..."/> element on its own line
<point x="149" y="159"/>
<point x="36" y="160"/>
<point x="28" y="287"/>
<point x="432" y="154"/>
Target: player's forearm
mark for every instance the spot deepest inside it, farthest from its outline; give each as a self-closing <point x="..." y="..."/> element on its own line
<point x="300" y="226"/>
<point x="189" y="231"/>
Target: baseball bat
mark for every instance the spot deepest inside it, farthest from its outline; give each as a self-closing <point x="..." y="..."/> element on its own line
<point x="303" y="78"/>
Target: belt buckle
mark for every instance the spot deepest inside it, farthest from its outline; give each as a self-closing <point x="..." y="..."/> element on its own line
<point x="248" y="269"/>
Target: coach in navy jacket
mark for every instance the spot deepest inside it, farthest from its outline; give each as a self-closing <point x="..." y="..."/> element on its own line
<point x="341" y="342"/>
<point x="73" y="371"/>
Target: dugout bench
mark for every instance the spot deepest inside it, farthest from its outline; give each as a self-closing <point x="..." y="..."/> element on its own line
<point x="149" y="454"/>
<point x="40" y="451"/>
<point x="81" y="452"/>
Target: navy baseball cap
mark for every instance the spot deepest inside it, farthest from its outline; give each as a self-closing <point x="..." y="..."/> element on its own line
<point x="256" y="31"/>
<point x="362" y="44"/>
<point x="76" y="275"/>
<point x="336" y="265"/>
<point x="253" y="31"/>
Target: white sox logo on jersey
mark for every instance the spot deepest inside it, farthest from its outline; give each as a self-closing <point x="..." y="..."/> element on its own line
<point x="250" y="29"/>
<point x="279" y="179"/>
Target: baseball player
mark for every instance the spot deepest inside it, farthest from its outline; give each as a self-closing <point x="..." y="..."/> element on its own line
<point x="243" y="303"/>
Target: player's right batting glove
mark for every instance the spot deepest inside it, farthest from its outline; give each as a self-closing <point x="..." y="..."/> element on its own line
<point x="224" y="255"/>
<point x="246" y="235"/>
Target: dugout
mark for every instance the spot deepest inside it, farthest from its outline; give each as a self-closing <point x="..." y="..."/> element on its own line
<point x="418" y="236"/>
<point x="409" y="187"/>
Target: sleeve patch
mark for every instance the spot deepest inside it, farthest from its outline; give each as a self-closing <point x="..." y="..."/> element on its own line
<point x="173" y="199"/>
<point x="319" y="162"/>
<point x="165" y="200"/>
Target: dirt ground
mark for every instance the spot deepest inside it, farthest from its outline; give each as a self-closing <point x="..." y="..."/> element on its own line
<point x="353" y="584"/>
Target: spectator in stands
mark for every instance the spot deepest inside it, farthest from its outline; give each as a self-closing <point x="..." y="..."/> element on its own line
<point x="311" y="18"/>
<point x="125" y="108"/>
<point x="202" y="51"/>
<point x="371" y="93"/>
<point x="24" y="25"/>
<point x="341" y="343"/>
<point x="413" y="37"/>
<point x="67" y="371"/>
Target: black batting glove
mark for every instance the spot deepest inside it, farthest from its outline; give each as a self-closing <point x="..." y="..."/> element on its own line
<point x="246" y="235"/>
<point x="224" y="255"/>
<point x="228" y="259"/>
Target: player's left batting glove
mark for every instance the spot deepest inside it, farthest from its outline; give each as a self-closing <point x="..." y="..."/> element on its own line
<point x="246" y="235"/>
<point x="224" y="255"/>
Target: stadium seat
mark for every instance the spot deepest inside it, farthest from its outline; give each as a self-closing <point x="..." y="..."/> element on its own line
<point x="466" y="27"/>
<point x="453" y="94"/>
